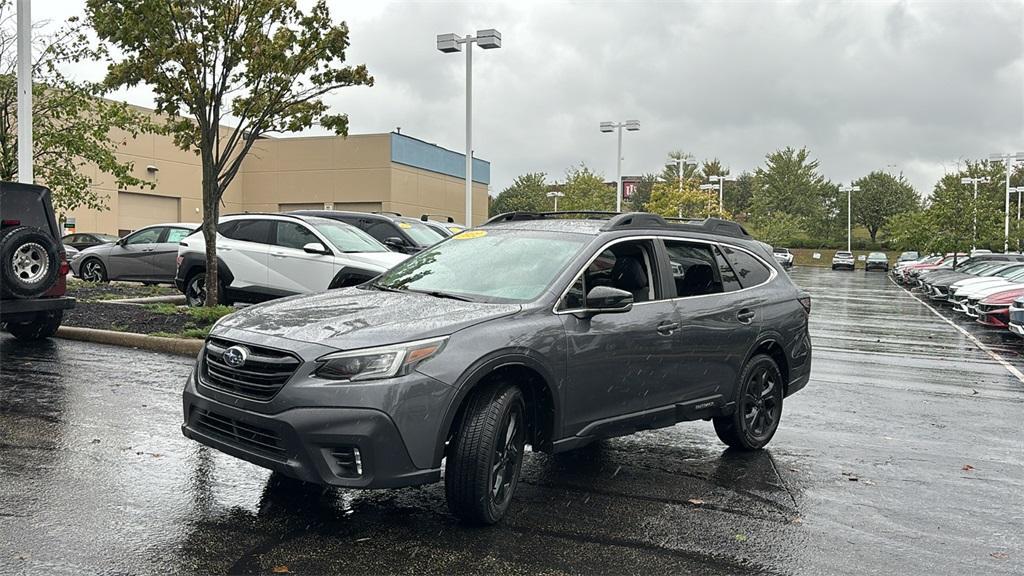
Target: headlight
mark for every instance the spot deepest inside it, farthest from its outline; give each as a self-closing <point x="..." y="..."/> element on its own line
<point x="378" y="363"/>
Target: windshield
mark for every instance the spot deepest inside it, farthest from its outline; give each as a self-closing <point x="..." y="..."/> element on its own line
<point x="844" y="255"/>
<point x="877" y="256"/>
<point x="908" y="256"/>
<point x="1009" y="271"/>
<point x="423" y="234"/>
<point x="781" y="251"/>
<point x="488" y="265"/>
<point x="346" y="238"/>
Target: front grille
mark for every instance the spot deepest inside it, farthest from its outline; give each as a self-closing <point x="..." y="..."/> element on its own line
<point x="262" y="375"/>
<point x="236" y="432"/>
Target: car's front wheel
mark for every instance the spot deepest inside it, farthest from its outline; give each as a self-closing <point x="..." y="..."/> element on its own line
<point x="92" y="270"/>
<point x="486" y="455"/>
<point x="758" y="406"/>
<point x="44" y="325"/>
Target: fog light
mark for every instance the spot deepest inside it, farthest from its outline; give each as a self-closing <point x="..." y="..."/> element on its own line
<point x="348" y="462"/>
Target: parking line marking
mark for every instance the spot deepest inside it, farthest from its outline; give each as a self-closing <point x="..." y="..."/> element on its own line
<point x="992" y="353"/>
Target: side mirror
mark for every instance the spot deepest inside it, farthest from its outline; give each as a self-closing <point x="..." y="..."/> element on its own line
<point x="394" y="242"/>
<point x="316" y="248"/>
<point x="122" y="242"/>
<point x="608" y="300"/>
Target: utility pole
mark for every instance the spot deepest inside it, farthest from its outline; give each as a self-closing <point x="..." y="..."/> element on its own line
<point x="632" y="126"/>
<point x="849" y="214"/>
<point x="975" y="181"/>
<point x="1008" y="160"/>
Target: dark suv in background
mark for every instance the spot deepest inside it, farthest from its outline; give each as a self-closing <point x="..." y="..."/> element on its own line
<point x="33" y="265"/>
<point x="582" y="328"/>
<point x="397" y="232"/>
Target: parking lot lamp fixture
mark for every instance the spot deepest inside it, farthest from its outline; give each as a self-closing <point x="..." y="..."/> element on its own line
<point x="1008" y="159"/>
<point x="681" y="164"/>
<point x="975" y="181"/>
<point x="721" y="181"/>
<point x="632" y="126"/>
<point x="449" y="43"/>
<point x="849" y="218"/>
<point x="709" y="187"/>
<point x="556" y="195"/>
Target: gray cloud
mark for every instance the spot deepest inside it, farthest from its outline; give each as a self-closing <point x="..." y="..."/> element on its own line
<point x="862" y="84"/>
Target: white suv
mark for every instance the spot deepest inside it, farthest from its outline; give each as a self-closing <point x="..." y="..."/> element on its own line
<point x="263" y="256"/>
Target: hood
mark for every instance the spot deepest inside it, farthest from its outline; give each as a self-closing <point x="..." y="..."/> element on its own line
<point x="352" y="318"/>
<point x="988" y="289"/>
<point x="969" y="283"/>
<point x="386" y="260"/>
<point x="1005" y="296"/>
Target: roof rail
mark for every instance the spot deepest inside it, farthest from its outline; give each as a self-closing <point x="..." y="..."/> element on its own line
<point x="587" y="214"/>
<point x="636" y="220"/>
<point x="426" y="217"/>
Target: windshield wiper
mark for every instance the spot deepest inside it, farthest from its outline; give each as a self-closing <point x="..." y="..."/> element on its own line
<point x="384" y="288"/>
<point x="437" y="294"/>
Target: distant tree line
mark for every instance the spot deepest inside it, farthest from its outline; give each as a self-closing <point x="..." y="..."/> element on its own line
<point x="788" y="202"/>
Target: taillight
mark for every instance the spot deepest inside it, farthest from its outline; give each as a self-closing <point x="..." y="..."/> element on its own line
<point x="805" y="301"/>
<point x="11" y="222"/>
<point x="64" y="267"/>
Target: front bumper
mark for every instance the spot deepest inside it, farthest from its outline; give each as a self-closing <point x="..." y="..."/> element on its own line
<point x="994" y="316"/>
<point x="313" y="432"/>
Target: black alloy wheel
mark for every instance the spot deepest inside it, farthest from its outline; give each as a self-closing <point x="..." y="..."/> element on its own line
<point x="758" y="406"/>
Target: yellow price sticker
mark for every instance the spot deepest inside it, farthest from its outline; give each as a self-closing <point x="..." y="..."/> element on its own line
<point x="404" y="225"/>
<point x="470" y="234"/>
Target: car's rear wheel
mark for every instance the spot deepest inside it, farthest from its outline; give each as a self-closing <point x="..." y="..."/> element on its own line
<point x="486" y="455"/>
<point x="92" y="270"/>
<point x="44" y="325"/>
<point x="29" y="262"/>
<point x="758" y="406"/>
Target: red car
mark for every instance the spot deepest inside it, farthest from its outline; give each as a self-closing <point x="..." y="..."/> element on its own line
<point x="994" y="310"/>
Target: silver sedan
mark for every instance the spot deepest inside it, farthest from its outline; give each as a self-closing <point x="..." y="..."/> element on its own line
<point x="147" y="255"/>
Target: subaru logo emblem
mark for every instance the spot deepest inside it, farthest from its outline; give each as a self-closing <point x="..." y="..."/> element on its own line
<point x="235" y="356"/>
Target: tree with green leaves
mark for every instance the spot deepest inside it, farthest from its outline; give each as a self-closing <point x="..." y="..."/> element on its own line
<point x="266" y="64"/>
<point x="713" y="167"/>
<point x="789" y="182"/>
<point x="737" y="195"/>
<point x="670" y="173"/>
<point x="71" y="122"/>
<point x="881" y="196"/>
<point x="528" y="193"/>
<point x="779" y="230"/>
<point x="911" y="230"/>
<point x="690" y="202"/>
<point x="585" y="189"/>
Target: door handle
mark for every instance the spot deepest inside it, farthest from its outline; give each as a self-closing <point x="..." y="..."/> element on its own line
<point x="667" y="328"/>
<point x="745" y="315"/>
<point x="278" y="254"/>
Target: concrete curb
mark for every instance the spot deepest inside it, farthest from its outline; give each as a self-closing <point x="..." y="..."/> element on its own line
<point x="181" y="346"/>
<point x="172" y="299"/>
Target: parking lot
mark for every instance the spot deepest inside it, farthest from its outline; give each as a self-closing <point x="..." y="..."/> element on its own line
<point x="904" y="455"/>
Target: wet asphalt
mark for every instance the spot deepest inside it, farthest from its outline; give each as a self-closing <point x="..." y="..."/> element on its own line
<point x="904" y="455"/>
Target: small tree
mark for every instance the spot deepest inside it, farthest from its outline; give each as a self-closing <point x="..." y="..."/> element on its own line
<point x="71" y="123"/>
<point x="585" y="189"/>
<point x="690" y="202"/>
<point x="882" y="196"/>
<point x="642" y="194"/>
<point x="264" y="63"/>
<point x="778" y="229"/>
<point x="528" y="193"/>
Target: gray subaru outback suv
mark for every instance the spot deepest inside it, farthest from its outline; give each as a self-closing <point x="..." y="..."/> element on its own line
<point x="551" y="329"/>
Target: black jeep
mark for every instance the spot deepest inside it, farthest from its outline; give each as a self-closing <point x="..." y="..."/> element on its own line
<point x="33" y="265"/>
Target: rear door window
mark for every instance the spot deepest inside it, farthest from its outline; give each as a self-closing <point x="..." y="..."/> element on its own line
<point x="749" y="270"/>
<point x="175" y="235"/>
<point x="695" y="271"/>
<point x="257" y="231"/>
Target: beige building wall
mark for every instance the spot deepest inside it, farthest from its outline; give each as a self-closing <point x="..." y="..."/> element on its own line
<point x="353" y="173"/>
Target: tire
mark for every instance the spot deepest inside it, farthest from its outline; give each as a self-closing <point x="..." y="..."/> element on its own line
<point x="486" y="452"/>
<point x="29" y="262"/>
<point x="195" y="291"/>
<point x="93" y="270"/>
<point x="44" y="325"/>
<point x="758" y="406"/>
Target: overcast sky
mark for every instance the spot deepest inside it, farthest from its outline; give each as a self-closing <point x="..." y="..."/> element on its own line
<point x="864" y="85"/>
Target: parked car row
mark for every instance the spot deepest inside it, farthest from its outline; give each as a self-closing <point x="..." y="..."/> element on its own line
<point x="984" y="286"/>
<point x="263" y="257"/>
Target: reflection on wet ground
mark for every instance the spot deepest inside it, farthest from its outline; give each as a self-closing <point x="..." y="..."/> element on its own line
<point x="868" y="474"/>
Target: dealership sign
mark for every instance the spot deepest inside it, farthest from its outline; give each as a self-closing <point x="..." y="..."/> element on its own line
<point x="630" y="185"/>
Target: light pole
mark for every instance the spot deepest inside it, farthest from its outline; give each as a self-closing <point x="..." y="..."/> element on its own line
<point x="1008" y="160"/>
<point x="849" y="219"/>
<point x="708" y="187"/>
<point x="721" y="181"/>
<point x="447" y="43"/>
<point x="975" y="181"/>
<point x="556" y="195"/>
<point x="24" y="91"/>
<point x="680" y="164"/>
<point x="632" y="126"/>
<point x="1018" y="190"/>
